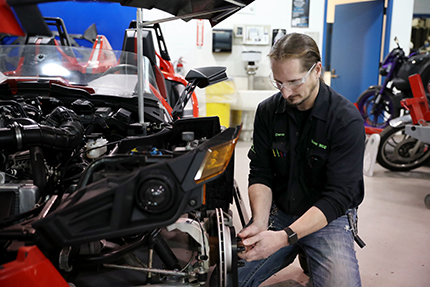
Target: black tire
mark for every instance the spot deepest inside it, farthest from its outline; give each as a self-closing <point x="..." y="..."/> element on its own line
<point x="395" y="147"/>
<point x="380" y="116"/>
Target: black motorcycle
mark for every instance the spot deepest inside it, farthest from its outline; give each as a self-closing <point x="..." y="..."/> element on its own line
<point x="379" y="104"/>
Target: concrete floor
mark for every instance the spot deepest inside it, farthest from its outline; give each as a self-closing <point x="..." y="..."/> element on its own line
<point x="393" y="221"/>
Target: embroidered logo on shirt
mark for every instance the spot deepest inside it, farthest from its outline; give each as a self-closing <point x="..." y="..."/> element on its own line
<point x="279" y="134"/>
<point x="318" y="144"/>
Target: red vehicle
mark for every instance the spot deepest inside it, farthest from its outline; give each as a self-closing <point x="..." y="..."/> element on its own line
<point x="104" y="177"/>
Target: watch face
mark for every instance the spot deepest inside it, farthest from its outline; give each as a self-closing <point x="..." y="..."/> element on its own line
<point x="292" y="238"/>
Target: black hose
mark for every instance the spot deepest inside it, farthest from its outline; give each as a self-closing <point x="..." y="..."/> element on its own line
<point x="38" y="168"/>
<point x="110" y="255"/>
<point x="164" y="252"/>
<point x="66" y="137"/>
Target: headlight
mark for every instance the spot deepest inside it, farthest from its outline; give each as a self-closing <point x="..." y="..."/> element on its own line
<point x="215" y="161"/>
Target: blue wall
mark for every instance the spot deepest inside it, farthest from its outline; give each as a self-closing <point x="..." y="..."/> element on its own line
<point x="111" y="19"/>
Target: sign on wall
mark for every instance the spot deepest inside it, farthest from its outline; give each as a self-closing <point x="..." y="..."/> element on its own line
<point x="256" y="35"/>
<point x="300" y="13"/>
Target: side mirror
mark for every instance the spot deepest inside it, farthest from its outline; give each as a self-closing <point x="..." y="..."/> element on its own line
<point x="200" y="77"/>
<point x="206" y="76"/>
<point x="397" y="41"/>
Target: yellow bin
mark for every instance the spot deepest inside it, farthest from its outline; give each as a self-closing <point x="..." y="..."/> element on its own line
<point x="222" y="110"/>
<point x="218" y="100"/>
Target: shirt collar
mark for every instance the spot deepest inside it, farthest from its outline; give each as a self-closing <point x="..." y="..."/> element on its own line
<point x="320" y="108"/>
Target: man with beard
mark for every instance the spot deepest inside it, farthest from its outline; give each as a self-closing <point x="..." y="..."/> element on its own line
<point x="306" y="178"/>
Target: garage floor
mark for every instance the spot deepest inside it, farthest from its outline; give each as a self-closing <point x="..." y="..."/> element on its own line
<point x="394" y="222"/>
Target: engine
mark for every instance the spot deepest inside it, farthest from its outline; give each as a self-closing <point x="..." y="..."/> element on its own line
<point x="115" y="188"/>
<point x="46" y="144"/>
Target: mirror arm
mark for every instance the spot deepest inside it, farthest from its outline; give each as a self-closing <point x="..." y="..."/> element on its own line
<point x="183" y="99"/>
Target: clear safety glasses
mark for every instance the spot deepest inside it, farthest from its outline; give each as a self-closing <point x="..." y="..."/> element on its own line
<point x="292" y="84"/>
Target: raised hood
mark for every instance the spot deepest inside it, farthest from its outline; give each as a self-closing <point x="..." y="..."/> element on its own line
<point x="213" y="10"/>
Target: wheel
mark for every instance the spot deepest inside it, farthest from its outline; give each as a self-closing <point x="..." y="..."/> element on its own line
<point x="380" y="115"/>
<point x="123" y="68"/>
<point x="400" y="152"/>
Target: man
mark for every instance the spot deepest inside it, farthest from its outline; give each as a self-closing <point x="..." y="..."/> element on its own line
<point x="305" y="173"/>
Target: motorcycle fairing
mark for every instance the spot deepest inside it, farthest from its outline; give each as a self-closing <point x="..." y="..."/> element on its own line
<point x="121" y="200"/>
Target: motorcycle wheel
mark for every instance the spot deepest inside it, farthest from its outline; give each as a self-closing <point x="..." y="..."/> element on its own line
<point x="396" y="153"/>
<point x="383" y="113"/>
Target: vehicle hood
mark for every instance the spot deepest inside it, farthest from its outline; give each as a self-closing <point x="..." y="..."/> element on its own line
<point x="213" y="10"/>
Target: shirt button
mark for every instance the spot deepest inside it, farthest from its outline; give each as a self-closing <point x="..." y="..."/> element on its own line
<point x="297" y="133"/>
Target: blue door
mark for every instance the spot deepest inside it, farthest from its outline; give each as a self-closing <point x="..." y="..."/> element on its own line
<point x="356" y="47"/>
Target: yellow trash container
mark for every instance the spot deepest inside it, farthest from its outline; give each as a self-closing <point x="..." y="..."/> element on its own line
<point x="219" y="97"/>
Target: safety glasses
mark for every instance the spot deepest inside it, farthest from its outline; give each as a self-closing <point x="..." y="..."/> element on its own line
<point x="292" y="84"/>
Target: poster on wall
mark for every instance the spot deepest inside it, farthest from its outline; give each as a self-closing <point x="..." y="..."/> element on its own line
<point x="300" y="13"/>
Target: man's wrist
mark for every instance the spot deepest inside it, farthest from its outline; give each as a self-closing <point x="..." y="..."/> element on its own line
<point x="262" y="223"/>
<point x="291" y="235"/>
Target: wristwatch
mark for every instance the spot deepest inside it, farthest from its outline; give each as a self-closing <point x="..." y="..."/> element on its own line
<point x="292" y="236"/>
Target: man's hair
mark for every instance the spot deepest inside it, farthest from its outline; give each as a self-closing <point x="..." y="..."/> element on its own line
<point x="296" y="46"/>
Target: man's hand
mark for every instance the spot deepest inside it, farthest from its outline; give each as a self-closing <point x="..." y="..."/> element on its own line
<point x="263" y="244"/>
<point x="253" y="229"/>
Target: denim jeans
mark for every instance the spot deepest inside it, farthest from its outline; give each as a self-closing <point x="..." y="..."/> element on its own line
<point x="330" y="255"/>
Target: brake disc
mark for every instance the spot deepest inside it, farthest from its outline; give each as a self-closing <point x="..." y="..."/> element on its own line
<point x="227" y="251"/>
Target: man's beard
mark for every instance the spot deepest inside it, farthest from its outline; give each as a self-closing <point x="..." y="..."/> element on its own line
<point x="295" y="105"/>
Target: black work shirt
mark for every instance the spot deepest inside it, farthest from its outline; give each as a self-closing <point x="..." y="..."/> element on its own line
<point x="321" y="166"/>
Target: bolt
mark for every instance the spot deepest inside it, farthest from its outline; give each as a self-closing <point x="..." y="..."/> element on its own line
<point x="241" y="249"/>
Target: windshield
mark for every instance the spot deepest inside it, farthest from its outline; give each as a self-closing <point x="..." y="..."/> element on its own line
<point x="99" y="71"/>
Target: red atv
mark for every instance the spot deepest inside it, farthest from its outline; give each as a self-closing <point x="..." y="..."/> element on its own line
<point x="106" y="177"/>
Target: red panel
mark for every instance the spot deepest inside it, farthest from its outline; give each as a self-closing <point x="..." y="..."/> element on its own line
<point x="31" y="268"/>
<point x="371" y="130"/>
<point x="8" y="23"/>
<point x="418" y="105"/>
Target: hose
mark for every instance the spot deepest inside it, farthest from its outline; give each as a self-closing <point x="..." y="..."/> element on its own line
<point x="66" y="136"/>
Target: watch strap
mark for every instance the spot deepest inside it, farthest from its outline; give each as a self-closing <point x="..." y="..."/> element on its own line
<point x="292" y="236"/>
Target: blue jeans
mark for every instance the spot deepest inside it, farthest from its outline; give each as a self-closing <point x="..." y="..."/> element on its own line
<point x="330" y="255"/>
